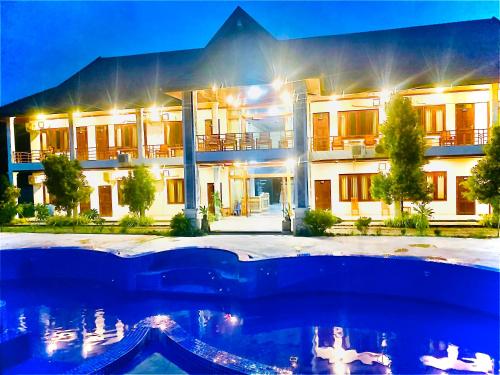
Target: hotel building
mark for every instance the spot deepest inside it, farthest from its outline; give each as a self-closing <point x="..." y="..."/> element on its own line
<point x="264" y="122"/>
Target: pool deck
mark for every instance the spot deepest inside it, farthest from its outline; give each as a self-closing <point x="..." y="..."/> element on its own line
<point x="469" y="251"/>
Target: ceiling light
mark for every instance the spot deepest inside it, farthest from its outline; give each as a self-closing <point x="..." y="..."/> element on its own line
<point x="277" y="83"/>
<point x="255" y="92"/>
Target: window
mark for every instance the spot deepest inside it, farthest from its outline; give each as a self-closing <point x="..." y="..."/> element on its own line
<point x="438" y="181"/>
<point x="126" y="135"/>
<point x="355" y="186"/>
<point x="432" y="118"/>
<point x="173" y="133"/>
<point x="358" y="123"/>
<point x="55" y="139"/>
<point x="119" y="187"/>
<point x="175" y="191"/>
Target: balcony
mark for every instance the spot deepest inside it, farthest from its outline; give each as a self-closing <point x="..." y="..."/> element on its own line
<point x="35" y="156"/>
<point x="163" y="151"/>
<point x="245" y="141"/>
<point x="334" y="143"/>
<point x="105" y="153"/>
<point x="463" y="137"/>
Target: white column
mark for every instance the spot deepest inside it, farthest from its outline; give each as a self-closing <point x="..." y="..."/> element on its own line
<point x="11" y="146"/>
<point x="139" y="120"/>
<point x="494" y="105"/>
<point x="215" y="117"/>
<point x="72" y="137"/>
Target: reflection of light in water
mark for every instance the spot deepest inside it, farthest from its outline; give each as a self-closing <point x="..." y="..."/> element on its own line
<point x="92" y="341"/>
<point x="339" y="357"/>
<point x="99" y="322"/>
<point x="120" y="330"/>
<point x="233" y="319"/>
<point x="163" y="322"/>
<point x="22" y="323"/>
<point x="480" y="363"/>
<point x="51" y="348"/>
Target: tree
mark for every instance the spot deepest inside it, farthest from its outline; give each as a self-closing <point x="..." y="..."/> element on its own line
<point x="65" y="182"/>
<point x="139" y="190"/>
<point x="484" y="183"/>
<point x="403" y="142"/>
<point x="8" y="200"/>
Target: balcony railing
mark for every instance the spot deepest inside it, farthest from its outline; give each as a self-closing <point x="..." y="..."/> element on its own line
<point x="338" y="142"/>
<point x="107" y="153"/>
<point x="245" y="141"/>
<point x="163" y="151"/>
<point x="35" y="156"/>
<point x="463" y="137"/>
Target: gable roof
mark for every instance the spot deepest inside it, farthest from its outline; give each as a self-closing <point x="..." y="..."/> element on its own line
<point x="242" y="52"/>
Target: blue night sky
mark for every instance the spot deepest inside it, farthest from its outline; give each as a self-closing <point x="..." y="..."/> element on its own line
<point x="43" y="43"/>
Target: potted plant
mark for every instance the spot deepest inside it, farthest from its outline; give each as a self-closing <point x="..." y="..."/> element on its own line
<point x="286" y="224"/>
<point x="205" y="226"/>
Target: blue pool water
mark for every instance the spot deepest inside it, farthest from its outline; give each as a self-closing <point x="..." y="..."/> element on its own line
<point x="72" y="322"/>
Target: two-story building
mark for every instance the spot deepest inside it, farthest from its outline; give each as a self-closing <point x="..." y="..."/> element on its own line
<point x="261" y="122"/>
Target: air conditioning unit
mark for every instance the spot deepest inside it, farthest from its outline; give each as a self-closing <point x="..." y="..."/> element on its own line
<point x="123" y="158"/>
<point x="358" y="151"/>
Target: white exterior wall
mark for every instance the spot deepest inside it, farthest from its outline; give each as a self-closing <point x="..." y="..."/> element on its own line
<point x="444" y="210"/>
<point x="216" y="175"/>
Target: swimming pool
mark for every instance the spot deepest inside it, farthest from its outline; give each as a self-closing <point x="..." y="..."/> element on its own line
<point x="202" y="310"/>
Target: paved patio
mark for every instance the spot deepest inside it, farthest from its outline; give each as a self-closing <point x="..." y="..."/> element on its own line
<point x="477" y="252"/>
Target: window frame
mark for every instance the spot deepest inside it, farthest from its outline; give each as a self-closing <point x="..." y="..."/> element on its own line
<point x="170" y="184"/>
<point x="358" y="185"/>
<point x="357" y="113"/>
<point x="435" y="175"/>
<point x="421" y="109"/>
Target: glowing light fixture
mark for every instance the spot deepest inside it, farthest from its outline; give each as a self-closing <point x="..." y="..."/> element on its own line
<point x="77" y="114"/>
<point x="41" y="117"/>
<point x="115" y="112"/>
<point x="290" y="163"/>
<point x="254" y="92"/>
<point x="230" y="99"/>
<point x="385" y="94"/>
<point x="440" y="89"/>
<point x="214" y="87"/>
<point x="286" y="98"/>
<point x="333" y="97"/>
<point x="277" y="83"/>
<point x="155" y="113"/>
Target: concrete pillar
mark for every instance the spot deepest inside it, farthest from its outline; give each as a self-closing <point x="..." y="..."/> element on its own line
<point x="191" y="195"/>
<point x="11" y="146"/>
<point x="215" y="117"/>
<point x="139" y="120"/>
<point x="494" y="105"/>
<point x="301" y="185"/>
<point x="72" y="137"/>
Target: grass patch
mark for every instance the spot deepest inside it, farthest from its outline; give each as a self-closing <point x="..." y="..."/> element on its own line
<point x="86" y="229"/>
<point x="424" y="245"/>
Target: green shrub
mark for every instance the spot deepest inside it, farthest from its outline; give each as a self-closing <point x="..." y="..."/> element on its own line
<point x="437" y="232"/>
<point x="403" y="231"/>
<point x="404" y="221"/>
<point x="129" y="221"/>
<point x="180" y="226"/>
<point x="489" y="220"/>
<point x="42" y="212"/>
<point x="67" y="221"/>
<point x="319" y="221"/>
<point x="26" y="210"/>
<point x="7" y="212"/>
<point x="94" y="217"/>
<point x="362" y="224"/>
<point x="378" y="231"/>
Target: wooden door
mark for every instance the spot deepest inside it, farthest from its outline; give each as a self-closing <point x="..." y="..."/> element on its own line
<point x="323" y="194"/>
<point x="85" y="206"/>
<point x="210" y="197"/>
<point x="105" y="201"/>
<point x="82" y="144"/>
<point x="101" y="142"/>
<point x="464" y="124"/>
<point x="321" y="131"/>
<point x="208" y="128"/>
<point x="464" y="206"/>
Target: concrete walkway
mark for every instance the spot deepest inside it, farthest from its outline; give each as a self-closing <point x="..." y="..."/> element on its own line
<point x="476" y="252"/>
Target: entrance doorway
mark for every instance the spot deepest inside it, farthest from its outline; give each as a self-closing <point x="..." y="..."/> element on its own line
<point x="82" y="145"/>
<point x="464" y="205"/>
<point x="321" y="131"/>
<point x="323" y="194"/>
<point x="464" y="119"/>
<point x="105" y="201"/>
<point x="210" y="197"/>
